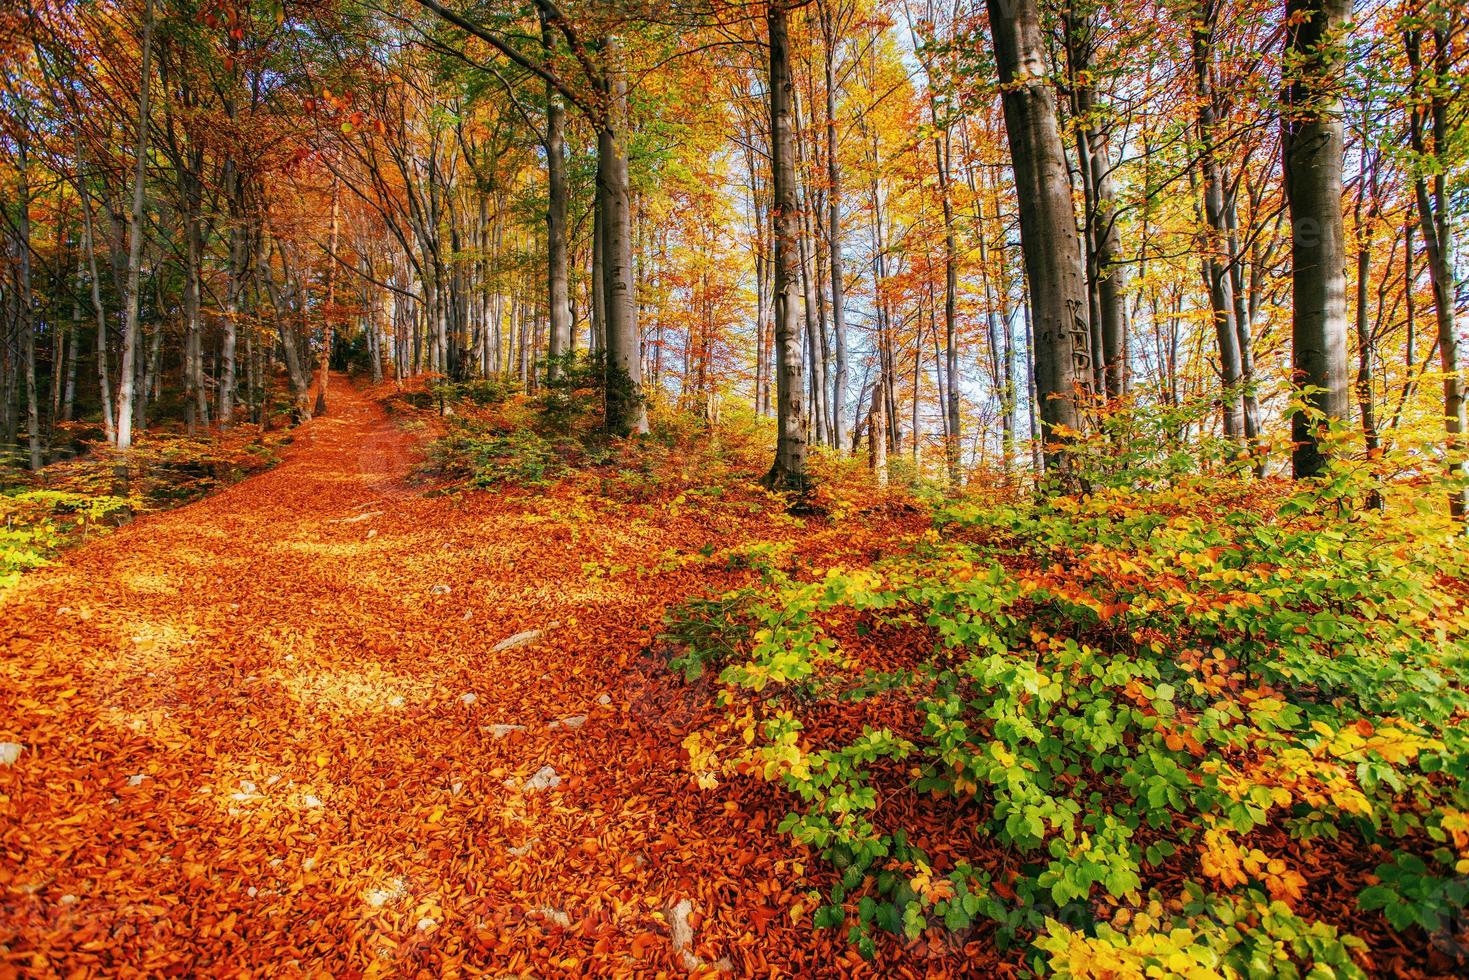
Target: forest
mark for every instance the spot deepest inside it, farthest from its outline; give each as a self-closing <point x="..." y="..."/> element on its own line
<point x="879" y="488"/>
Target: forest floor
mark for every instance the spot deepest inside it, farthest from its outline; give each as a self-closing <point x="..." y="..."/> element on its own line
<point x="303" y="724"/>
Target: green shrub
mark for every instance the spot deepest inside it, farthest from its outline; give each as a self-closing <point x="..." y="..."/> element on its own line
<point x="1116" y="684"/>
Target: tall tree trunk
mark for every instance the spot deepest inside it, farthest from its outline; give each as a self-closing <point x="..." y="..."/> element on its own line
<point x="1431" y="108"/>
<point x="1216" y="258"/>
<point x="94" y="289"/>
<point x="834" y="233"/>
<point x="25" y="307"/>
<point x="558" y="290"/>
<point x="1106" y="273"/>
<point x="626" y="411"/>
<point x="877" y="434"/>
<point x="1311" y="145"/>
<point x="74" y="354"/>
<point x="297" y="373"/>
<point x="1366" y="354"/>
<point x="329" y="308"/>
<point x="788" y="471"/>
<point x="131" y="337"/>
<point x="1048" y="235"/>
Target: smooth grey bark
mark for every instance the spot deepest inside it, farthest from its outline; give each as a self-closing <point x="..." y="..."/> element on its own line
<point x="1106" y="272"/>
<point x="74" y="354"/>
<point x="24" y="305"/>
<point x="834" y="230"/>
<point x="236" y="270"/>
<point x="281" y="313"/>
<point x="1366" y="341"/>
<point x="1216" y="257"/>
<point x="1435" y="222"/>
<point x="788" y="471"/>
<point x="237" y="262"/>
<point x="558" y="290"/>
<point x="1311" y="147"/>
<point x="329" y="308"/>
<point x="558" y="285"/>
<point x="127" y="369"/>
<point x="1048" y="235"/>
<point x="89" y="247"/>
<point x="626" y="411"/>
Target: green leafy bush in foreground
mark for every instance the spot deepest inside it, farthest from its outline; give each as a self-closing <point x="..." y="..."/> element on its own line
<point x="1203" y="683"/>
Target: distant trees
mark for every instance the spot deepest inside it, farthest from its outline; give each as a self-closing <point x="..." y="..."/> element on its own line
<point x="974" y="267"/>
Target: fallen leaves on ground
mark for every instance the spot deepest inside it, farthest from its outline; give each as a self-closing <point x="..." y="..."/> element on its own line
<point x="256" y="733"/>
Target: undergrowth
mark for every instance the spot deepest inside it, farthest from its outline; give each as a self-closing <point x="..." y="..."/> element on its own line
<point x="1128" y="731"/>
<point x="66" y="503"/>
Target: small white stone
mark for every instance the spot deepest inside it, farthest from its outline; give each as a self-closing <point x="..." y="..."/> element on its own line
<point x="252" y="891"/>
<point x="308" y="864"/>
<point x="312" y="802"/>
<point x="469" y="698"/>
<point x="247" y="786"/>
<point x="457" y="788"/>
<point x="500" y="731"/>
<point x="68" y="899"/>
<point x="391" y="891"/>
<point x="372" y="533"/>
<point x="545" y="778"/>
<point x="272" y="779"/>
<point x="440" y="589"/>
<point x="136" y="779"/>
<point x="426" y="924"/>
<point x="518" y="640"/>
<point x="9" y="752"/>
<point x="396" y="701"/>
<point x="605" y="700"/>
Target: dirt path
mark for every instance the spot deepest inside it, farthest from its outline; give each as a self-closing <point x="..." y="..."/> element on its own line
<point x="271" y="728"/>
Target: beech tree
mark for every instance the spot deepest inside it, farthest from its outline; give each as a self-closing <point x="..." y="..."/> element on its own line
<point x="1048" y="235"/>
<point x="1311" y="144"/>
<point x="788" y="471"/>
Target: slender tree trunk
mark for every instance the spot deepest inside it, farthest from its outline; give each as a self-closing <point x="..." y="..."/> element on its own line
<point x="127" y="370"/>
<point x="1435" y="221"/>
<point x="788" y="471"/>
<point x="1107" y="276"/>
<point x="1216" y="254"/>
<point x="626" y="411"/>
<point x="329" y="308"/>
<point x="877" y="434"/>
<point x="1366" y="353"/>
<point x="74" y="354"/>
<point x="25" y="306"/>
<point x="834" y="234"/>
<point x="558" y="290"/>
<point x="1311" y="144"/>
<point x="1048" y="235"/>
<point x="94" y="289"/>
